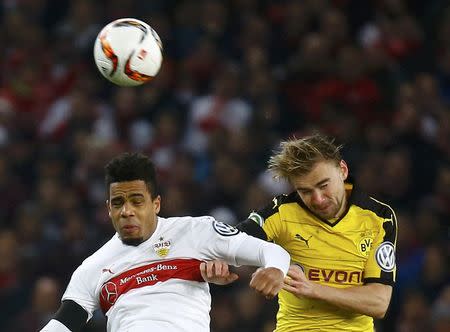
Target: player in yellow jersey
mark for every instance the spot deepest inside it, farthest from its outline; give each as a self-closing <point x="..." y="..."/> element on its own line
<point x="341" y="241"/>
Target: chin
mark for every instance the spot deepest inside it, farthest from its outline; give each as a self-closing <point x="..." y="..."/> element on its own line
<point x="132" y="241"/>
<point x="326" y="215"/>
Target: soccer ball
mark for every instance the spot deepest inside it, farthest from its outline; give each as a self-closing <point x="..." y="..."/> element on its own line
<point x="128" y="52"/>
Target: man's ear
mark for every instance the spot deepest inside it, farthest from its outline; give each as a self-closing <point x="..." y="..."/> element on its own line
<point x="157" y="204"/>
<point x="108" y="208"/>
<point x="344" y="170"/>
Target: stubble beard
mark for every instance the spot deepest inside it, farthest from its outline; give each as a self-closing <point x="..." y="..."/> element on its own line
<point x="133" y="241"/>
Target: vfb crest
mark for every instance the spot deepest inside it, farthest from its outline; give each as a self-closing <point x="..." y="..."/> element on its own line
<point x="385" y="256"/>
<point x="109" y="292"/>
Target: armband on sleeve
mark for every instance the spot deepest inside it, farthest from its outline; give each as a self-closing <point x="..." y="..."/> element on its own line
<point x="252" y="228"/>
<point x="55" y="326"/>
<point x="70" y="317"/>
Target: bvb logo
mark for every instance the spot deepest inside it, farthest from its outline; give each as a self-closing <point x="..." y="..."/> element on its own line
<point x="109" y="292"/>
<point x="365" y="245"/>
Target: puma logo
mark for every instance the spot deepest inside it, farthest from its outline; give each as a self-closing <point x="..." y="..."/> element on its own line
<point x="107" y="270"/>
<point x="301" y="238"/>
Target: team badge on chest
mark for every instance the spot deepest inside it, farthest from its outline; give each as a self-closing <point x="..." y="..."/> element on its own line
<point x="162" y="247"/>
<point x="364" y="246"/>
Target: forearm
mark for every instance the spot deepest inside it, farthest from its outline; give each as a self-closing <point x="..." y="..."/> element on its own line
<point x="256" y="252"/>
<point x="372" y="299"/>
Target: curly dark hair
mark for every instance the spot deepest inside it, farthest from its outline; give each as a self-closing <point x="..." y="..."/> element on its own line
<point x="130" y="167"/>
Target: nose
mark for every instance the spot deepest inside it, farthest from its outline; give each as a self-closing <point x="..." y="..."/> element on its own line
<point x="317" y="198"/>
<point x="126" y="210"/>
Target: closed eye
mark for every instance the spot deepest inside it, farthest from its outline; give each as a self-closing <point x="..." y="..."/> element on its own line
<point x="138" y="202"/>
<point x="304" y="191"/>
<point x="117" y="203"/>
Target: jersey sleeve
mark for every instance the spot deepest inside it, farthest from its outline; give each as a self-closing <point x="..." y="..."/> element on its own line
<point x="381" y="264"/>
<point x="268" y="218"/>
<point x="81" y="289"/>
<point x="222" y="241"/>
<point x="217" y="240"/>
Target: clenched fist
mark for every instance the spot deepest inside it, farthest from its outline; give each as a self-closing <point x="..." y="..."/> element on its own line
<point x="267" y="281"/>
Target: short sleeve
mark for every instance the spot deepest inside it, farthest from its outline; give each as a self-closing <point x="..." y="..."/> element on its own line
<point x="81" y="289"/>
<point x="381" y="264"/>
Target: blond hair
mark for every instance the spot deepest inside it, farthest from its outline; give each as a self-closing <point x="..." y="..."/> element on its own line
<point x="297" y="157"/>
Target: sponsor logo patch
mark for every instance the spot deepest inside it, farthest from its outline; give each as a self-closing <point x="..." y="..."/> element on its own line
<point x="385" y="256"/>
<point x="108" y="293"/>
<point x="147" y="276"/>
<point x="224" y="229"/>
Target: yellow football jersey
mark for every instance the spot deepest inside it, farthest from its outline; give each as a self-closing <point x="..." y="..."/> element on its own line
<point x="356" y="249"/>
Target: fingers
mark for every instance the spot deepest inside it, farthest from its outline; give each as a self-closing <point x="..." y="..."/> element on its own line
<point x="290" y="289"/>
<point x="232" y="277"/>
<point x="295" y="272"/>
<point x="203" y="271"/>
<point x="267" y="282"/>
<point x="216" y="268"/>
<point x="209" y="269"/>
<point x="221" y="268"/>
<point x="217" y="272"/>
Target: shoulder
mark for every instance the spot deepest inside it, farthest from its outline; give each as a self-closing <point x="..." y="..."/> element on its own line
<point x="185" y="222"/>
<point x="202" y="225"/>
<point x="104" y="254"/>
<point x="277" y="203"/>
<point x="366" y="202"/>
<point x="384" y="214"/>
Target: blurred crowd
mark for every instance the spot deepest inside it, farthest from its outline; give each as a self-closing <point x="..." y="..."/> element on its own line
<point x="238" y="76"/>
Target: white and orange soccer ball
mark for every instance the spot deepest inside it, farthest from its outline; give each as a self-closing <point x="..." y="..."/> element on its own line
<point x="128" y="52"/>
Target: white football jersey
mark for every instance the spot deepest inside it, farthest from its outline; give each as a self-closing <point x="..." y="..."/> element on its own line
<point x="157" y="286"/>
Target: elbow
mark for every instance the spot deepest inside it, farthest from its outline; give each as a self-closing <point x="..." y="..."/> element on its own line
<point x="379" y="314"/>
<point x="381" y="299"/>
<point x="381" y="310"/>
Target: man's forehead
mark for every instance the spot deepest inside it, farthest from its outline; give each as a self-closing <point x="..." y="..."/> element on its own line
<point x="320" y="172"/>
<point x="127" y="187"/>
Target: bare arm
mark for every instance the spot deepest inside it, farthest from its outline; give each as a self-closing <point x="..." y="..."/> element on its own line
<point x="371" y="299"/>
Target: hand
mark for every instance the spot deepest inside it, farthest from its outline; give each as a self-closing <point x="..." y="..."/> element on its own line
<point x="297" y="283"/>
<point x="267" y="281"/>
<point x="217" y="272"/>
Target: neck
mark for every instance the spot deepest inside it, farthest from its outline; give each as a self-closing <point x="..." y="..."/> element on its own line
<point x="343" y="205"/>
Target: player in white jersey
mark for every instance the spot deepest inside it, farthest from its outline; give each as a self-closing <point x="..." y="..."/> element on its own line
<point x="147" y="277"/>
